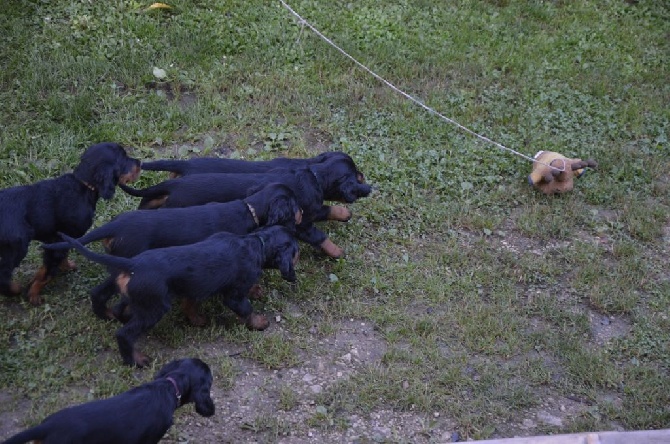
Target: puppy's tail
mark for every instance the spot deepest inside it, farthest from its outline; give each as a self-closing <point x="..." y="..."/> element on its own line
<point x="153" y="191"/>
<point x="152" y="197"/>
<point x="39" y="432"/>
<point x="177" y="167"/>
<point x="115" y="262"/>
<point x="93" y="235"/>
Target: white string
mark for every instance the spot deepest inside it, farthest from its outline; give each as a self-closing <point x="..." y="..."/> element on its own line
<point x="404" y="94"/>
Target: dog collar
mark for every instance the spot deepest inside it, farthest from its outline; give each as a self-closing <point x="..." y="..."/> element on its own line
<point x="316" y="176"/>
<point x="262" y="245"/>
<point x="253" y="214"/>
<point x="176" y="389"/>
<point x="86" y="184"/>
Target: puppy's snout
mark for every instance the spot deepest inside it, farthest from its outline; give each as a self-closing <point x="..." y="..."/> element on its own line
<point x="364" y="190"/>
<point x="205" y="408"/>
<point x="132" y="175"/>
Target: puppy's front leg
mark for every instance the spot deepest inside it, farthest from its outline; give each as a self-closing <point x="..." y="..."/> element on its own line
<point x="336" y="212"/>
<point x="241" y="306"/>
<point x="51" y="260"/>
<point x="99" y="297"/>
<point x="339" y="213"/>
<point x="191" y="309"/>
<point x="67" y="265"/>
<point x="256" y="292"/>
<point x="332" y="250"/>
<point x="307" y="232"/>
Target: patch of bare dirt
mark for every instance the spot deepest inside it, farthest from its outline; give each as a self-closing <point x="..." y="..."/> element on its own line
<point x="253" y="409"/>
<point x="605" y="328"/>
<point x="316" y="141"/>
<point x="215" y="144"/>
<point x="554" y="412"/>
<point x="171" y="91"/>
<point x="212" y="145"/>
<point x="12" y="413"/>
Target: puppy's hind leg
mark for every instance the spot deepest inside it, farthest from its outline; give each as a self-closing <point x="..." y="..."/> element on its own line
<point x="7" y="286"/>
<point x="67" y="265"/>
<point x="99" y="297"/>
<point x="127" y="336"/>
<point x="51" y="261"/>
<point x="10" y="258"/>
<point x="191" y="309"/>
<point x="148" y="302"/>
<point x="122" y="311"/>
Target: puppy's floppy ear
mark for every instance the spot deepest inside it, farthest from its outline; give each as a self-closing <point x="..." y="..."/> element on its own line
<point x="204" y="404"/>
<point x="309" y="192"/>
<point x="105" y="178"/>
<point x="287" y="271"/>
<point x="286" y="264"/>
<point x="201" y="385"/>
<point x="281" y="211"/>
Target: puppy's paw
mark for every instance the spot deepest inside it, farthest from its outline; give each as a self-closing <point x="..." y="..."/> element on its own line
<point x="11" y="289"/>
<point x="14" y="289"/>
<point x="192" y="311"/>
<point x="198" y="320"/>
<point x="331" y="249"/>
<point x="140" y="359"/>
<point x="255" y="292"/>
<point x="36" y="285"/>
<point x="34" y="296"/>
<point x="121" y="312"/>
<point x="257" y="322"/>
<point x="107" y="314"/>
<point x="68" y="265"/>
<point x="339" y="213"/>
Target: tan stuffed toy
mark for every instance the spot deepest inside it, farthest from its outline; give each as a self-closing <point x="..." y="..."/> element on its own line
<point x="549" y="180"/>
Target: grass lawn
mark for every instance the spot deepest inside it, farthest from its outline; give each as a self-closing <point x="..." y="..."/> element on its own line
<point x="468" y="305"/>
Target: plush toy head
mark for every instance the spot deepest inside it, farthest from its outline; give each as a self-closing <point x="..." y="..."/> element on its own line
<point x="549" y="180"/>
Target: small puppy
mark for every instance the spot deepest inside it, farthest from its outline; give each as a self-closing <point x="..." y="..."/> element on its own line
<point x="224" y="263"/>
<point x="141" y="415"/>
<point x="133" y="232"/>
<point x="206" y="165"/>
<point x="67" y="204"/>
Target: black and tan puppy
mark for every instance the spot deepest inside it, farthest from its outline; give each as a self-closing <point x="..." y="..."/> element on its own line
<point x="224" y="263"/>
<point x="206" y="165"/>
<point x="310" y="186"/>
<point x="337" y="174"/>
<point x="133" y="232"/>
<point x="141" y="415"/>
<point x="66" y="204"/>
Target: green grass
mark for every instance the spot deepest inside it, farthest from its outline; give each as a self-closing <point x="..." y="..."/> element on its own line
<point x="486" y="294"/>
